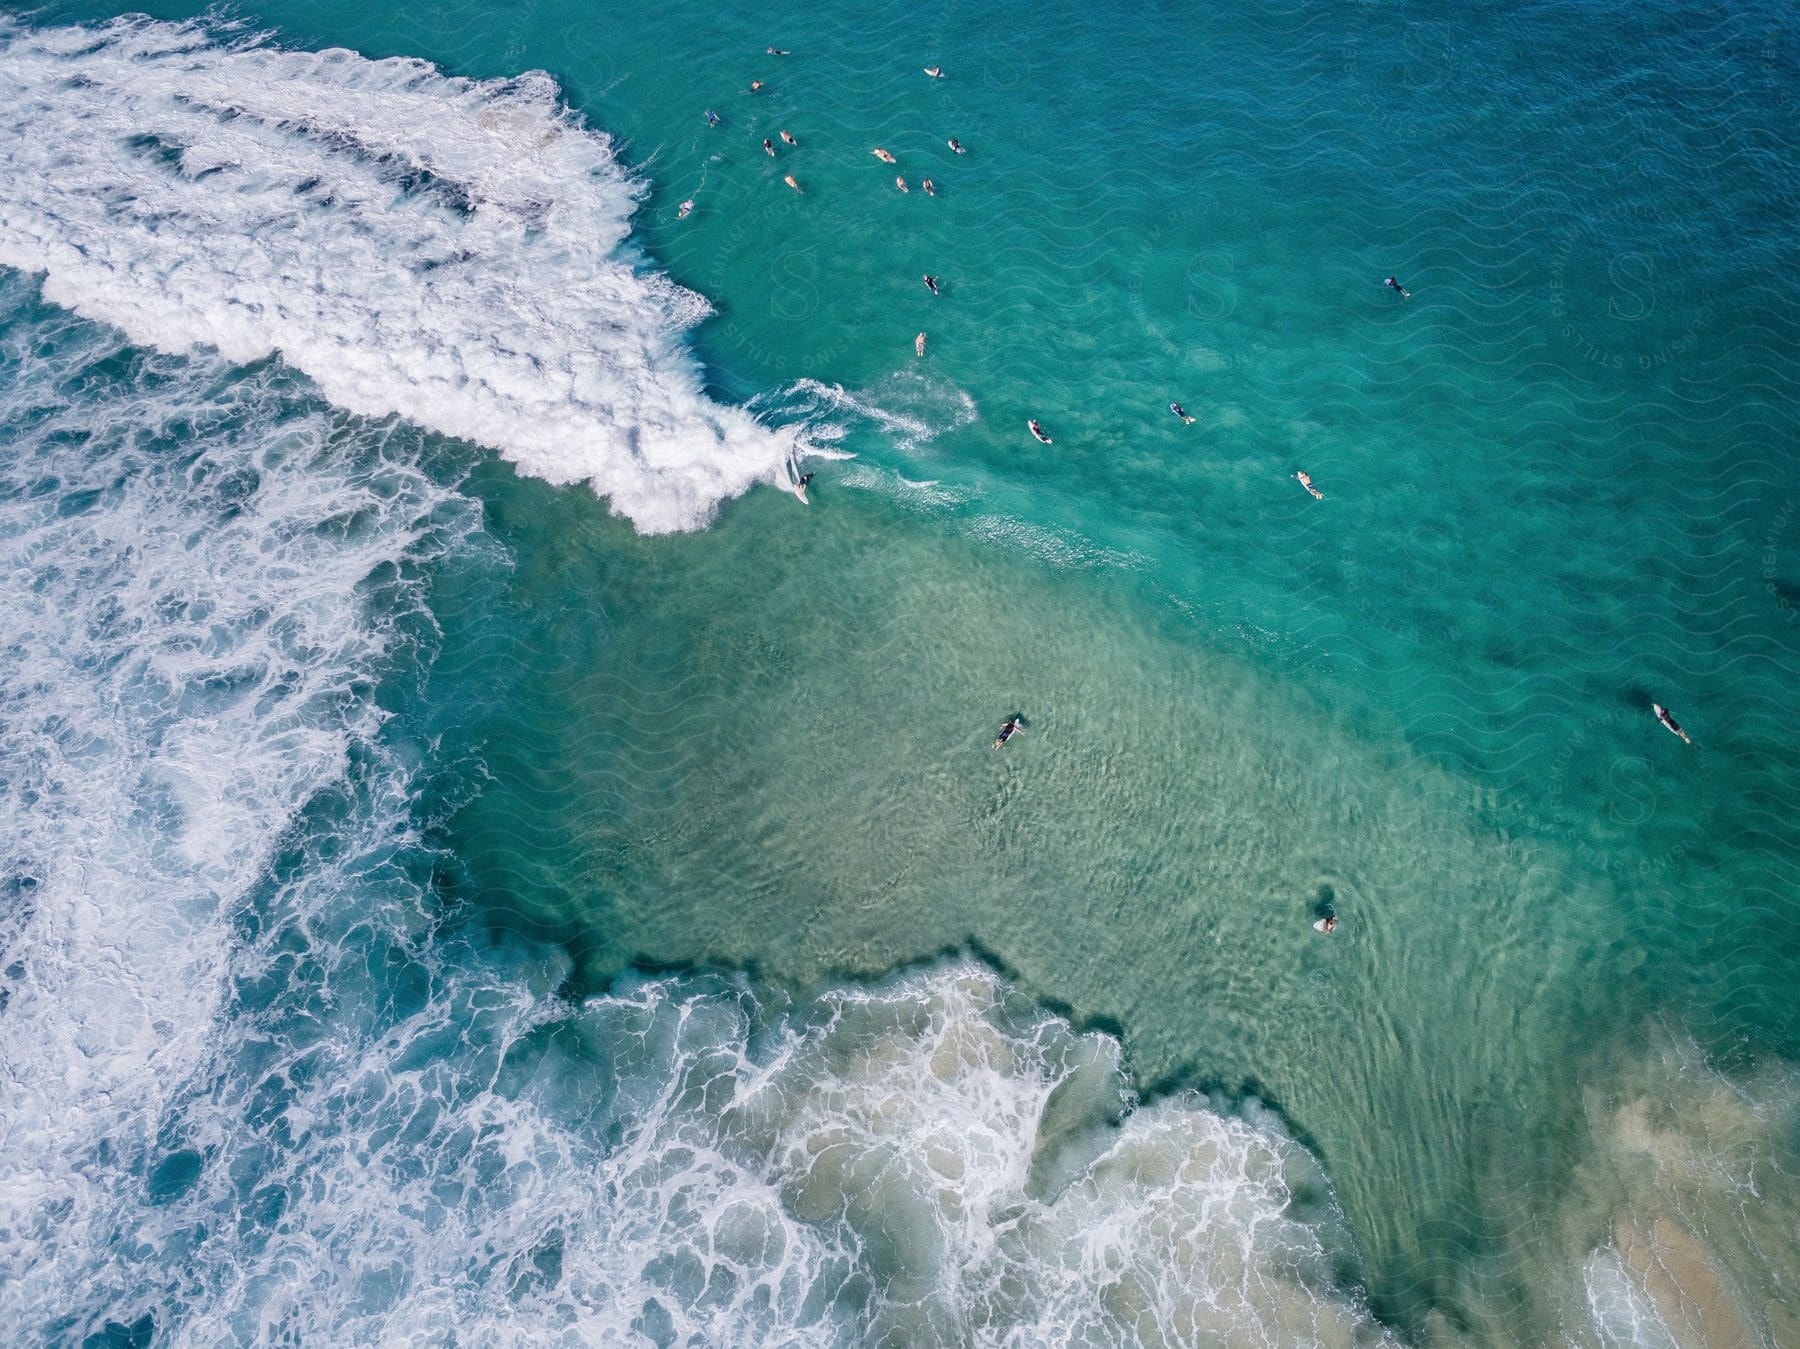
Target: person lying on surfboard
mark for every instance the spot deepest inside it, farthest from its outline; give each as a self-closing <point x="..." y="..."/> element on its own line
<point x="1669" y="722"/>
<point x="1326" y="924"/>
<point x="1038" y="431"/>
<point x="1176" y="408"/>
<point x="931" y="283"/>
<point x="1013" y="726"/>
<point x="1392" y="284"/>
<point x="957" y="146"/>
<point x="1305" y="480"/>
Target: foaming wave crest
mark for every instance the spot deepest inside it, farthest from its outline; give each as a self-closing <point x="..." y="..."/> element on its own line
<point x="451" y="250"/>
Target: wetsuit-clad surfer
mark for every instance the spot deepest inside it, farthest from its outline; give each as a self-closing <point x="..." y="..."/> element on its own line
<point x="931" y="283"/>
<point x="1176" y="409"/>
<point x="1013" y="726"/>
<point x="957" y="146"/>
<point x="1392" y="284"/>
<point x="1669" y="722"/>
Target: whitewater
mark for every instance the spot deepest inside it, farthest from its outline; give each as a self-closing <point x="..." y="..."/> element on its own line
<point x="450" y="250"/>
<point x="261" y="1079"/>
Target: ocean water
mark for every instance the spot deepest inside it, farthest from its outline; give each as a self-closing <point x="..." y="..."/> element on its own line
<point x="485" y="863"/>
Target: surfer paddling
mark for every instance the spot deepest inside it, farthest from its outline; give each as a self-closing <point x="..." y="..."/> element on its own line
<point x="789" y="139"/>
<point x="1672" y="726"/>
<point x="777" y="51"/>
<point x="1037" y="430"/>
<point x="768" y="147"/>
<point x="1305" y="480"/>
<point x="900" y="181"/>
<point x="789" y="180"/>
<point x="883" y="156"/>
<point x="919" y="345"/>
<point x="1177" y="410"/>
<point x="1014" y="725"/>
<point x="1392" y="284"/>
<point x="930" y="188"/>
<point x="931" y="283"/>
<point x="681" y="211"/>
<point x="956" y="145"/>
<point x="936" y="72"/>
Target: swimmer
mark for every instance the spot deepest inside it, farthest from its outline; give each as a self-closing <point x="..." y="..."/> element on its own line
<point x="1014" y="725"/>
<point x="1177" y="410"/>
<point x="1392" y="284"/>
<point x="1305" y="480"/>
<point x="1669" y="722"/>
<point x="936" y="72"/>
<point x="768" y="147"/>
<point x="681" y="212"/>
<point x="755" y="86"/>
<point x="883" y="156"/>
<point x="930" y="188"/>
<point x="931" y="283"/>
<point x="919" y="345"/>
<point x="788" y="137"/>
<point x="800" y="488"/>
<point x="900" y="182"/>
<point x="956" y="145"/>
<point x="789" y="180"/>
<point x="712" y="118"/>
<point x="1038" y="431"/>
<point x="777" y="51"/>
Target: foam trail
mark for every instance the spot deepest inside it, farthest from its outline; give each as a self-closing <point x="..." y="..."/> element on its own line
<point x="454" y="251"/>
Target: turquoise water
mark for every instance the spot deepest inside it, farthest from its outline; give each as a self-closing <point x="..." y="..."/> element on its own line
<point x="451" y="900"/>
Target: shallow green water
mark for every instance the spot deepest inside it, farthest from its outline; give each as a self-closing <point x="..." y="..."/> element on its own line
<point x="1554" y="490"/>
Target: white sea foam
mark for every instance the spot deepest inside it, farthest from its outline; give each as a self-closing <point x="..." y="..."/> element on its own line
<point x="189" y="573"/>
<point x="450" y="250"/>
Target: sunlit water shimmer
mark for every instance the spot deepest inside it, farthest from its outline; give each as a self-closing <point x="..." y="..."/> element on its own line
<point x="485" y="865"/>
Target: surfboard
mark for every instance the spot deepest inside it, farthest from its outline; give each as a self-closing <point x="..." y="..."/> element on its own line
<point x="1319" y="926"/>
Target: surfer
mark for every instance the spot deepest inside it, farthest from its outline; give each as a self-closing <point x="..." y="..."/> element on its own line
<point x="883" y="156"/>
<point x="930" y="188"/>
<point x="777" y="51"/>
<point x="1176" y="409"/>
<point x="789" y="180"/>
<point x="768" y="147"/>
<point x="1305" y="480"/>
<point x="712" y="118"/>
<point x="919" y="345"/>
<point x="936" y="72"/>
<point x="788" y="137"/>
<point x="1327" y="924"/>
<point x="1014" y="725"/>
<point x="800" y="488"/>
<point x="681" y="212"/>
<point x="755" y="86"/>
<point x="957" y="146"/>
<point x="931" y="283"/>
<point x="900" y="181"/>
<point x="1038" y="431"/>
<point x="1392" y="284"/>
<point x="1669" y="722"/>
